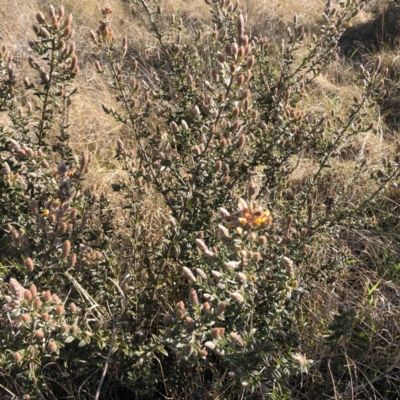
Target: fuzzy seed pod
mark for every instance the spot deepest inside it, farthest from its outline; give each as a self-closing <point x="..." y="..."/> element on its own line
<point x="189" y="274"/>
<point x="45" y="316"/>
<point x="66" y="248"/>
<point x="289" y="266"/>
<point x="17" y="357"/>
<point x="189" y="322"/>
<point x="40" y="18"/>
<point x="72" y="260"/>
<point x="206" y="307"/>
<point x="225" y="180"/>
<point x="250" y="63"/>
<point x="56" y="299"/>
<point x="221" y="308"/>
<point x="216" y="333"/>
<point x="241" y="277"/>
<point x="240" y="26"/>
<point x="234" y="49"/>
<point x="245" y="94"/>
<point x="52" y="346"/>
<point x="209" y="345"/>
<point x="221" y="57"/>
<point x="289" y="221"/>
<point x="47" y="296"/>
<point x="193" y="299"/>
<point x="72" y="307"/>
<point x="27" y="295"/>
<point x="201" y="274"/>
<point x="256" y="257"/>
<point x="26" y="318"/>
<point x="241" y="141"/>
<point x="203" y="353"/>
<point x="29" y="265"/>
<point x="237" y="297"/>
<point x="236" y="339"/>
<point x="64" y="328"/>
<point x="39" y="334"/>
<point x="60" y="310"/>
<point x="33" y="290"/>
<point x="228" y="49"/>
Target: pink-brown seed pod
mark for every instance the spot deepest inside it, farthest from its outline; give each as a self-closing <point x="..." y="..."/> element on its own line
<point x="29" y="265"/>
<point x="250" y="62"/>
<point x="236" y="339"/>
<point x="189" y="274"/>
<point x="64" y="328"/>
<point x="240" y="80"/>
<point x="39" y="334"/>
<point x="17" y="357"/>
<point x="72" y="307"/>
<point x="47" y="296"/>
<point x="52" y="346"/>
<point x="193" y="299"/>
<point x="189" y="322"/>
<point x="60" y="310"/>
<point x="56" y="299"/>
<point x="26" y="318"/>
<point x="74" y="328"/>
<point x="27" y="295"/>
<point x="45" y="316"/>
<point x="206" y="307"/>
<point x="221" y="308"/>
<point x="33" y="290"/>
<point x="66" y="248"/>
<point x="40" y="18"/>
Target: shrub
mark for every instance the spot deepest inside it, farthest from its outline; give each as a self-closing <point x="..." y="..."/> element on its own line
<point x="209" y="292"/>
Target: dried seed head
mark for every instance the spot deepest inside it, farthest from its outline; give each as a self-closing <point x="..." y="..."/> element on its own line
<point x="72" y="260"/>
<point x="234" y="49"/>
<point x="56" y="299"/>
<point x="45" y="316"/>
<point x="72" y="307"/>
<point x="64" y="328"/>
<point x="250" y="63"/>
<point x="241" y="277"/>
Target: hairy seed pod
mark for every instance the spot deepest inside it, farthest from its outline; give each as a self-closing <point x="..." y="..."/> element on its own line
<point x="60" y="310"/>
<point x="236" y="339"/>
<point x="250" y="62"/>
<point x="33" y="290"/>
<point x="66" y="248"/>
<point x="27" y="295"/>
<point x="240" y="26"/>
<point x="37" y="303"/>
<point x="241" y="141"/>
<point x="201" y="274"/>
<point x="221" y="57"/>
<point x="17" y="357"/>
<point x="189" y="274"/>
<point x="52" y="346"/>
<point x="237" y="297"/>
<point x="72" y="260"/>
<point x="72" y="307"/>
<point x="29" y="265"/>
<point x="206" y="307"/>
<point x="221" y="308"/>
<point x="228" y="49"/>
<point x="40" y="18"/>
<point x="26" y="318"/>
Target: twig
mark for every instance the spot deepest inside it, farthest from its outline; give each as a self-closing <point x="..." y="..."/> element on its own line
<point x="103" y="375"/>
